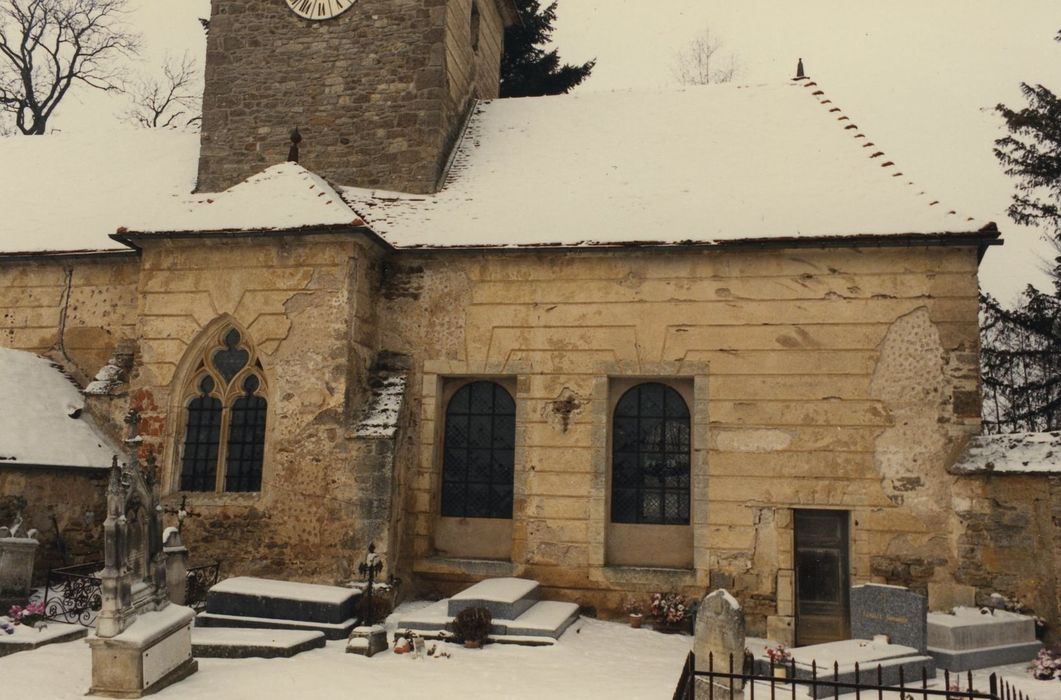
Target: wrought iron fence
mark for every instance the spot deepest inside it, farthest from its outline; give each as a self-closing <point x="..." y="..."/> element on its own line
<point x="782" y="679"/>
<point x="200" y="579"/>
<point x="72" y="594"/>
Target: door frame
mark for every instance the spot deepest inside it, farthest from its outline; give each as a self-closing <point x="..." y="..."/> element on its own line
<point x="845" y="553"/>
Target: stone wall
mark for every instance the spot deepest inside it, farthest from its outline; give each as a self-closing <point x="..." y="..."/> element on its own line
<point x="75" y="498"/>
<point x="822" y="379"/>
<point x="304" y="305"/>
<point x="1009" y="541"/>
<point x="74" y="310"/>
<point x="378" y="93"/>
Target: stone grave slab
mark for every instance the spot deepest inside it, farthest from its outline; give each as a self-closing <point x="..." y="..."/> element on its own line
<point x="533" y="622"/>
<point x="505" y="598"/>
<point x="28" y="638"/>
<point x="837" y="660"/>
<point x="330" y="631"/>
<point x="968" y="639"/>
<point x="894" y="611"/>
<point x="246" y="596"/>
<point x="236" y="643"/>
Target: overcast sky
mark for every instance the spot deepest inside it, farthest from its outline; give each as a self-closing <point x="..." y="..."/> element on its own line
<point x="918" y="76"/>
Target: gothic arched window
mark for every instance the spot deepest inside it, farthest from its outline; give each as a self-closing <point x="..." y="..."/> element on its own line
<point x="650" y="456"/>
<point x="225" y="414"/>
<point x="479" y="452"/>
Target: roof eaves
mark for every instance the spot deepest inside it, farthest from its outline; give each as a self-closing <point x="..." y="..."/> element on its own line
<point x="356" y="229"/>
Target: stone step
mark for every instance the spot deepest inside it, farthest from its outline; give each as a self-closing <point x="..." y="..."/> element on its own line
<point x="249" y="597"/>
<point x="505" y="598"/>
<point x="27" y="638"/>
<point x="543" y="620"/>
<point x="234" y="643"/>
<point x="339" y="630"/>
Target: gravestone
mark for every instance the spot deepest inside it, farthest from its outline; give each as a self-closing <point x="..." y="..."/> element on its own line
<point x="17" y="553"/>
<point x="176" y="566"/>
<point x="894" y="611"/>
<point x="719" y="638"/>
<point x="143" y="642"/>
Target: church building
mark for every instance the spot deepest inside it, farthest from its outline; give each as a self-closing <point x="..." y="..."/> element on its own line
<point x="620" y="343"/>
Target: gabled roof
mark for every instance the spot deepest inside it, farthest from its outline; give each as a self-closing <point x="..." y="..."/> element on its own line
<point x="702" y="165"/>
<point x="282" y="197"/>
<point x="713" y="165"/>
<point x="42" y="420"/>
<point x="67" y="192"/>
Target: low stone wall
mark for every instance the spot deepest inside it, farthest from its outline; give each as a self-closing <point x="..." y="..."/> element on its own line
<point x="75" y="498"/>
<point x="1011" y="541"/>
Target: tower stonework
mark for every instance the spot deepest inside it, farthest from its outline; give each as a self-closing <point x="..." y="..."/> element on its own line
<point x="379" y="92"/>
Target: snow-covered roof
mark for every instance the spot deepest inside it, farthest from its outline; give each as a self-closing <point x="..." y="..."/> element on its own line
<point x="67" y="192"/>
<point x="42" y="420"/>
<point x="702" y="164"/>
<point x="1012" y="453"/>
<point x="282" y="197"/>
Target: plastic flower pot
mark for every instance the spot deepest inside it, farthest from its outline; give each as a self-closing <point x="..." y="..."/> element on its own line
<point x="635" y="620"/>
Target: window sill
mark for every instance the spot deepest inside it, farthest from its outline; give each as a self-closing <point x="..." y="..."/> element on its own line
<point x="474" y="567"/>
<point x="649" y="575"/>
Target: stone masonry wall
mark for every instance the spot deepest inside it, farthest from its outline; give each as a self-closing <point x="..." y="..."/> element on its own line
<point x="74" y="311"/>
<point x="378" y="93"/>
<point x="303" y="304"/>
<point x="75" y="498"/>
<point x="1010" y="541"/>
<point x="821" y="379"/>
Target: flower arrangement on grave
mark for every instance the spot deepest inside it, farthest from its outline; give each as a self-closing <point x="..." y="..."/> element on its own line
<point x="669" y="608"/>
<point x="472" y="626"/>
<point x="635" y="609"/>
<point x="1046" y="665"/>
<point x="28" y="616"/>
<point x="778" y="654"/>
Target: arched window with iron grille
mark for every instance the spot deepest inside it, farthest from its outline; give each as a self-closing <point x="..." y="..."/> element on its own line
<point x="651" y="456"/>
<point x="479" y="452"/>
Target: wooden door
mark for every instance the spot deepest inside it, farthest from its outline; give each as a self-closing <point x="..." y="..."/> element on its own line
<point x="822" y="580"/>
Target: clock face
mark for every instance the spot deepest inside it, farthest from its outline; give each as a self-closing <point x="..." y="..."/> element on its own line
<point x="319" y="9"/>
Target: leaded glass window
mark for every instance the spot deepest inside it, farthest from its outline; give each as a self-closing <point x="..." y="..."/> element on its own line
<point x="650" y="457"/>
<point x="225" y="419"/>
<point x="479" y="451"/>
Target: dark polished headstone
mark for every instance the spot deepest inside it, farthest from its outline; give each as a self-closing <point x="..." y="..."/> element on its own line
<point x="892" y="610"/>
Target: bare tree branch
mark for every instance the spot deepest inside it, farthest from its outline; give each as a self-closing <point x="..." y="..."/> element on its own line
<point x="171" y="100"/>
<point x="703" y="62"/>
<point x="46" y="46"/>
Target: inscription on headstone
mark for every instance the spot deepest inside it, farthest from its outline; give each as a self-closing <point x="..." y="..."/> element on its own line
<point x="892" y="610"/>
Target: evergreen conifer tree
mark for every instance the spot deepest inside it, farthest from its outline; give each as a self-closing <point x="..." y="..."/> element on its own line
<point x="1020" y="358"/>
<point x="527" y="69"/>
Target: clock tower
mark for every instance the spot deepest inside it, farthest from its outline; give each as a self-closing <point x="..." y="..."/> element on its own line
<point x="378" y="88"/>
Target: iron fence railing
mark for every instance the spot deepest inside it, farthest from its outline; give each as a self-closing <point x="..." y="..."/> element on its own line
<point x="777" y="681"/>
<point x="72" y="594"/>
<point x="200" y="579"/>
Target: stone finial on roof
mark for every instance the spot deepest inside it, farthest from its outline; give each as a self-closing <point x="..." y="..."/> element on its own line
<point x="296" y="138"/>
<point x="799" y="70"/>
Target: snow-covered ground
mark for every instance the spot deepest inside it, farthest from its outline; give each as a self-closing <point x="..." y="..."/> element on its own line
<point x="594" y="659"/>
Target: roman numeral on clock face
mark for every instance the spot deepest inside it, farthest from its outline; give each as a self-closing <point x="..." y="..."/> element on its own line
<point x="319" y="9"/>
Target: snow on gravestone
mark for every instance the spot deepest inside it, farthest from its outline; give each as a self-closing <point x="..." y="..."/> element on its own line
<point x="719" y="637"/>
